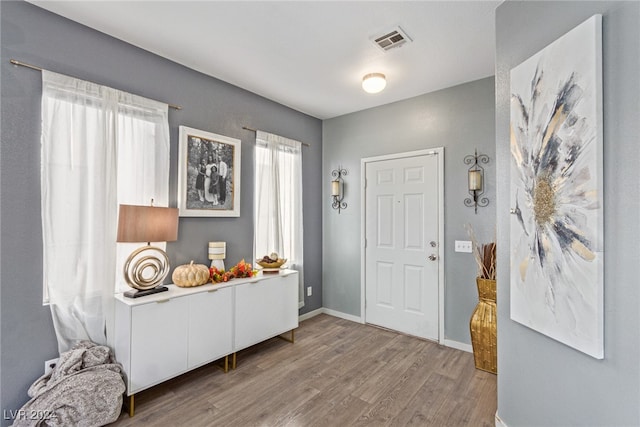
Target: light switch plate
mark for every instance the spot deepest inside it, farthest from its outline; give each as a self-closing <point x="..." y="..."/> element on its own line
<point x="464" y="246"/>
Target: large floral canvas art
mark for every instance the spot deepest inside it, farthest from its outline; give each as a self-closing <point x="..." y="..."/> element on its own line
<point x="556" y="190"/>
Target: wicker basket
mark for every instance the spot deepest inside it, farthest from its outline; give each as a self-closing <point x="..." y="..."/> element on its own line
<point x="483" y="327"/>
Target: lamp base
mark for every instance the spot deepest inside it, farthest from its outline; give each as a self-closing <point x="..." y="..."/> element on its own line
<point x="137" y="293"/>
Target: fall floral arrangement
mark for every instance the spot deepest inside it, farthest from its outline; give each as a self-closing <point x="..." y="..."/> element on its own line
<point x="240" y="270"/>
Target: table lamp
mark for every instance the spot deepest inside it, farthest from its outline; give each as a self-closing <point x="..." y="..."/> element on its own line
<point x="148" y="265"/>
<point x="217" y="254"/>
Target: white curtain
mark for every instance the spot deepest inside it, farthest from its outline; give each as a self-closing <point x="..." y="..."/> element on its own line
<point x="278" y="202"/>
<point x="100" y="147"/>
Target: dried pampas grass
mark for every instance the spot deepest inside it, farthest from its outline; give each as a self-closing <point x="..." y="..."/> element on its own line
<point x="485" y="256"/>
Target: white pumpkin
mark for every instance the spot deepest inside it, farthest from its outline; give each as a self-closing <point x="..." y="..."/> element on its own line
<point x="189" y="275"/>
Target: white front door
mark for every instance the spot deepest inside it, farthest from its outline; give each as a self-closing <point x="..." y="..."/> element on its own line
<point x="402" y="243"/>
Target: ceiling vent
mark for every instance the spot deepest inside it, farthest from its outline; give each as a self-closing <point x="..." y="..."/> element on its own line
<point x="392" y="38"/>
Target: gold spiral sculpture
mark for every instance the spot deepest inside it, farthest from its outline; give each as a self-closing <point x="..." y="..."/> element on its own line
<point x="141" y="262"/>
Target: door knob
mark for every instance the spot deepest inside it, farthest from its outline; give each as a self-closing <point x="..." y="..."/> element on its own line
<point x="432" y="257"/>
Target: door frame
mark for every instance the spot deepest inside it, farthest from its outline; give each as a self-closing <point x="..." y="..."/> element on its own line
<point x="439" y="152"/>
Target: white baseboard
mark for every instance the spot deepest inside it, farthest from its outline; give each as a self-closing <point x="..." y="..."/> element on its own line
<point x="334" y="313"/>
<point x="342" y="315"/>
<point x="459" y="345"/>
<point x="310" y="314"/>
<point x="499" y="422"/>
<point x="449" y="343"/>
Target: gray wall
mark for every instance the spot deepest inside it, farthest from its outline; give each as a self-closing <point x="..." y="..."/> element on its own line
<point x="35" y="36"/>
<point x="542" y="382"/>
<point x="459" y="119"/>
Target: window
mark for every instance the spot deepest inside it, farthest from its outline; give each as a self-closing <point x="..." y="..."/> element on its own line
<point x="100" y="147"/>
<point x="278" y="201"/>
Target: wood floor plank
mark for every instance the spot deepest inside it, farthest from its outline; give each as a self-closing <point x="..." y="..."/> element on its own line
<point x="422" y="409"/>
<point x="394" y="398"/>
<point x="338" y="373"/>
<point x="406" y="349"/>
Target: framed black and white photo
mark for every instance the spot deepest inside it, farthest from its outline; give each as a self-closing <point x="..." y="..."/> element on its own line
<point x="208" y="174"/>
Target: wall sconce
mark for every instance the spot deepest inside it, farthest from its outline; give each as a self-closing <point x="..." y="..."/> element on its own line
<point x="476" y="180"/>
<point x="337" y="189"/>
<point x="147" y="266"/>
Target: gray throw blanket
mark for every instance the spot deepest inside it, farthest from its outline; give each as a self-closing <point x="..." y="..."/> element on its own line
<point x="84" y="389"/>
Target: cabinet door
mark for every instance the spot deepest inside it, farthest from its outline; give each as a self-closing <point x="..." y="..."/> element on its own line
<point x="158" y="342"/>
<point x="265" y="309"/>
<point x="210" y="320"/>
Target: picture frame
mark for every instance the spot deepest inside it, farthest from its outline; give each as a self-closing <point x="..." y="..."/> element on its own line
<point x="208" y="174"/>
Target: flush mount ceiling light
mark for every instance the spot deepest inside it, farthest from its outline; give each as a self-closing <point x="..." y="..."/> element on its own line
<point x="374" y="82"/>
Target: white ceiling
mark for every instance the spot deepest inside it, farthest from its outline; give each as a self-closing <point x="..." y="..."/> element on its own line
<point x="308" y="55"/>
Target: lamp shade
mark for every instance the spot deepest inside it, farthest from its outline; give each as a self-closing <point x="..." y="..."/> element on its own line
<point x="217" y="250"/>
<point x="374" y="82"/>
<point x="147" y="224"/>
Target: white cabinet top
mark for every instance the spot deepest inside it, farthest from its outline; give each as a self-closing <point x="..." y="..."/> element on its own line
<point x="176" y="291"/>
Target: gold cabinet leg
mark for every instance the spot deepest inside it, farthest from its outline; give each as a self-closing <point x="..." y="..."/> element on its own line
<point x="233" y="361"/>
<point x="132" y="410"/>
<point x="291" y="340"/>
<point x="224" y="365"/>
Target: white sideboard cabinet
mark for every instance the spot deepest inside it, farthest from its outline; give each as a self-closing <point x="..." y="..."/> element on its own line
<point x="265" y="309"/>
<point x="164" y="335"/>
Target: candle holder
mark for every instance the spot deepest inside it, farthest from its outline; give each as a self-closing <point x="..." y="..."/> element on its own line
<point x="337" y="189"/>
<point x="475" y="175"/>
<point x="217" y="253"/>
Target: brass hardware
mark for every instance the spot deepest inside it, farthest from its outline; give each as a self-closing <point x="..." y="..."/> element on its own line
<point x="162" y="301"/>
<point x="291" y="340"/>
<point x="33" y="67"/>
<point x="225" y="364"/>
<point x="132" y="411"/>
<point x="233" y="361"/>
<point x="213" y="290"/>
<point x="255" y="130"/>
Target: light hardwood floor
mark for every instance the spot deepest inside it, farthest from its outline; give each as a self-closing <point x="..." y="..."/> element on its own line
<point x="338" y="373"/>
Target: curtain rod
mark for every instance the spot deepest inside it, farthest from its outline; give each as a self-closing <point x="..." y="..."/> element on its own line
<point x="33" y="67"/>
<point x="254" y="130"/>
